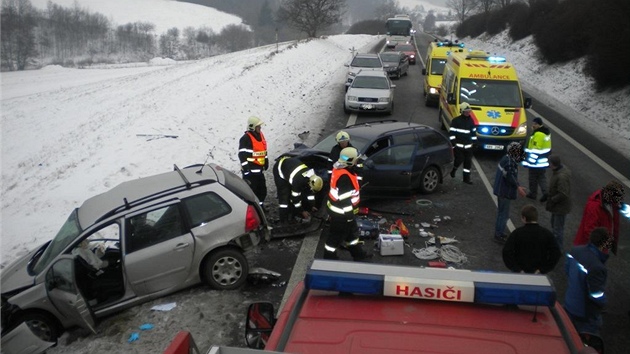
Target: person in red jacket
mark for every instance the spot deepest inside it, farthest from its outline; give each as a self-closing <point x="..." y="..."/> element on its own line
<point x="602" y="210"/>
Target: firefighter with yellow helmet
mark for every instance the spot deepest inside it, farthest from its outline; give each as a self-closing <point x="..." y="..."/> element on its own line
<point x="252" y="153"/>
<point x="343" y="205"/>
<point x="293" y="178"/>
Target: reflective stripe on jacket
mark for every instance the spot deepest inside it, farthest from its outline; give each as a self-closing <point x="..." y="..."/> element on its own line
<point x="538" y="149"/>
<point x="343" y="197"/>
<point x="463" y="132"/>
<point x="252" y="153"/>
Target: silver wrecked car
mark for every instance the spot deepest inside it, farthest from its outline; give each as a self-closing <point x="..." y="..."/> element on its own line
<point x="141" y="240"/>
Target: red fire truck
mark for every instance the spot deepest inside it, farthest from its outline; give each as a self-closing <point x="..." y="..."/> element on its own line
<point x="343" y="307"/>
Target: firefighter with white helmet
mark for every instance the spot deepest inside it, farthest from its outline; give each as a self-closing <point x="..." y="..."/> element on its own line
<point x="252" y="153"/>
<point x="293" y="178"/>
<point x="343" y="141"/>
<point x="343" y="205"/>
<point x="463" y="135"/>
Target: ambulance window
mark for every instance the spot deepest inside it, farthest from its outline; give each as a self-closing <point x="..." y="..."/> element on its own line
<point x="437" y="66"/>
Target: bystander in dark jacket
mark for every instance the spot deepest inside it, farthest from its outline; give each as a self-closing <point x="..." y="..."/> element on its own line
<point x="559" y="198"/>
<point x="531" y="248"/>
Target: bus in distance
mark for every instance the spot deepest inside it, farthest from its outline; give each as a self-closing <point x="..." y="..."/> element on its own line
<point x="399" y="30"/>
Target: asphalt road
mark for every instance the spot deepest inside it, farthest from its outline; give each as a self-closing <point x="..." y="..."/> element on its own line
<point x="217" y="318"/>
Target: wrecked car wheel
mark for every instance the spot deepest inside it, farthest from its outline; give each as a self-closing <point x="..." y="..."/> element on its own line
<point x="226" y="269"/>
<point x="44" y="326"/>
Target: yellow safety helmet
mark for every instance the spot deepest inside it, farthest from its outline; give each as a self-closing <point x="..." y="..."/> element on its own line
<point x="253" y="122"/>
<point x="348" y="156"/>
<point x="316" y="183"/>
<point x="342" y="136"/>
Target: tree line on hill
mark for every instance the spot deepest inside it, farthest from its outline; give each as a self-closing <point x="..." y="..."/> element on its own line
<point x="563" y="30"/>
<point x="566" y="30"/>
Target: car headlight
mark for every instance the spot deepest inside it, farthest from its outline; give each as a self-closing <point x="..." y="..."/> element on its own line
<point x="433" y="91"/>
<point x="384" y="99"/>
<point x="521" y="130"/>
<point x="351" y="98"/>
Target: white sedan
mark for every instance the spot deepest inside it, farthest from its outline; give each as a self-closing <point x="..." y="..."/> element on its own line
<point x="371" y="91"/>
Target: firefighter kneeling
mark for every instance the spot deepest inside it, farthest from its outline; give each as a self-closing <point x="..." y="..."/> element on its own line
<point x="343" y="205"/>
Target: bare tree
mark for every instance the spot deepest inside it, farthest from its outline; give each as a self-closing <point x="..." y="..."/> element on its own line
<point x="235" y="37"/>
<point x="388" y="9"/>
<point x="18" y="38"/>
<point x="462" y="8"/>
<point x="487" y="5"/>
<point x="311" y="16"/>
<point x="505" y="3"/>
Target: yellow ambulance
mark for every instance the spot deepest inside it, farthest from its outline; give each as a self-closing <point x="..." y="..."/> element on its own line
<point x="435" y="62"/>
<point x="490" y="85"/>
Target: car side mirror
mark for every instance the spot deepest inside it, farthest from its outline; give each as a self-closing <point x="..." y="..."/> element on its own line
<point x="528" y="102"/>
<point x="450" y="98"/>
<point x="259" y="324"/>
<point x="368" y="164"/>
<point x="346" y="65"/>
<point x="393" y="86"/>
<point x="424" y="71"/>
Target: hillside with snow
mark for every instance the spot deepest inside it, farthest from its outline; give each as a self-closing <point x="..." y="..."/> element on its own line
<point x="164" y="14"/>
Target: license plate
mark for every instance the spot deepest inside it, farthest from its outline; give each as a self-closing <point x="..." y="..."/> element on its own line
<point x="493" y="147"/>
<point x="367" y="106"/>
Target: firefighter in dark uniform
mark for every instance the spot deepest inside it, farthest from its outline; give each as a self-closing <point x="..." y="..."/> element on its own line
<point x="343" y="141"/>
<point x="463" y="135"/>
<point x="292" y="178"/>
<point x="343" y="205"/>
<point x="252" y="152"/>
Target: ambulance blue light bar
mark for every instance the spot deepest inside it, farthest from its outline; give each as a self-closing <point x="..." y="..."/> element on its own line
<point x="430" y="283"/>
<point x="497" y="59"/>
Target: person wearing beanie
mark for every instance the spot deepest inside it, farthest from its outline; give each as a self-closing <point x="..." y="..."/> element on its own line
<point x="559" y="197"/>
<point x="538" y="150"/>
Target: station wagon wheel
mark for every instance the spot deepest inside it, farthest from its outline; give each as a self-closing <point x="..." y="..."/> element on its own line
<point x="225" y="269"/>
<point x="44" y="326"/>
<point x="429" y="180"/>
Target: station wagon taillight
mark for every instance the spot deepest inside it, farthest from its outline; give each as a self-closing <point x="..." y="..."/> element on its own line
<point x="252" y="220"/>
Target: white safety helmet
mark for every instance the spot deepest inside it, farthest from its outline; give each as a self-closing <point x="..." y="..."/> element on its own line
<point x="464" y="107"/>
<point x="316" y="183"/>
<point x="342" y="136"/>
<point x="253" y="122"/>
<point x="348" y="156"/>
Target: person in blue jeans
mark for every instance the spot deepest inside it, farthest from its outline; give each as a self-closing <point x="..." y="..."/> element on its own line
<point x="506" y="187"/>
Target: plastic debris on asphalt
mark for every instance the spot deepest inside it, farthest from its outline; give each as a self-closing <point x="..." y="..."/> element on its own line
<point x="164" y="307"/>
<point x="146" y="326"/>
<point x="133" y="337"/>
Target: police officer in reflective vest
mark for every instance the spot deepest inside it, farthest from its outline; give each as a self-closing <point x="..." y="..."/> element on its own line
<point x="537" y="160"/>
<point x="343" y="205"/>
<point x="463" y="135"/>
<point x="292" y="178"/>
<point x="252" y="152"/>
